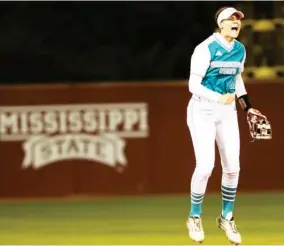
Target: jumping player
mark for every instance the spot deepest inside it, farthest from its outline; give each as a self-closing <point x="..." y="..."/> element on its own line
<point x="215" y="82"/>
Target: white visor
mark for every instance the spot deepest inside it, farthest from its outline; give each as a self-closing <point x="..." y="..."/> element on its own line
<point x="226" y="13"/>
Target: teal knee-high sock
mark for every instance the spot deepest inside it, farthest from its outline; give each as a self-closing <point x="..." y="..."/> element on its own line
<point x="196" y="204"/>
<point x="228" y="199"/>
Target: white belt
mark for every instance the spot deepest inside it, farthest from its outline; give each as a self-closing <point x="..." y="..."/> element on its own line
<point x="199" y="98"/>
<point x="203" y="99"/>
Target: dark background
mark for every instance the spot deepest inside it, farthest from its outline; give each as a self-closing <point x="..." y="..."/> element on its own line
<point x="112" y="41"/>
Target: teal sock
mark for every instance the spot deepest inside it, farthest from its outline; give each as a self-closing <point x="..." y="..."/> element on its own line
<point x="228" y="199"/>
<point x="196" y="204"/>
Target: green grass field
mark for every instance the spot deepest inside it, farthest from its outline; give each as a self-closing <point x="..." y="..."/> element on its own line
<point x="137" y="220"/>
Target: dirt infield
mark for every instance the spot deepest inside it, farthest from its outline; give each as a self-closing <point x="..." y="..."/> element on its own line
<point x="134" y="135"/>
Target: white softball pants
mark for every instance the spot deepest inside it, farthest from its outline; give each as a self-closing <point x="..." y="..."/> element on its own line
<point x="209" y="122"/>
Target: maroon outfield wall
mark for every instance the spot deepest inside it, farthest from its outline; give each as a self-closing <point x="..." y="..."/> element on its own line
<point x="150" y="150"/>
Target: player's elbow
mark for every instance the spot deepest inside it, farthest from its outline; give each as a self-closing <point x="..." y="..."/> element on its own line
<point x="194" y="82"/>
<point x="190" y="87"/>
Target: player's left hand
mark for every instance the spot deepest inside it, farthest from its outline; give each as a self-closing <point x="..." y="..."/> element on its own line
<point x="259" y="126"/>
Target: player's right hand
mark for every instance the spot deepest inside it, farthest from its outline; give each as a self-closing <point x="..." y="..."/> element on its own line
<point x="227" y="98"/>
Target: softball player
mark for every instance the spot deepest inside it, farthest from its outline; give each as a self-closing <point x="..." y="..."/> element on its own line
<point x="215" y="82"/>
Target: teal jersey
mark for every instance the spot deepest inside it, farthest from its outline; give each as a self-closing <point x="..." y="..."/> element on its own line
<point x="224" y="62"/>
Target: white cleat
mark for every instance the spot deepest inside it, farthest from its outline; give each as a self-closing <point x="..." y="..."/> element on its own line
<point x="195" y="229"/>
<point x="229" y="226"/>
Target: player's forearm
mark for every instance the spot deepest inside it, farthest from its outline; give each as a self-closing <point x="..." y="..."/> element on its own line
<point x="196" y="88"/>
<point x="242" y="93"/>
<point x="240" y="86"/>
